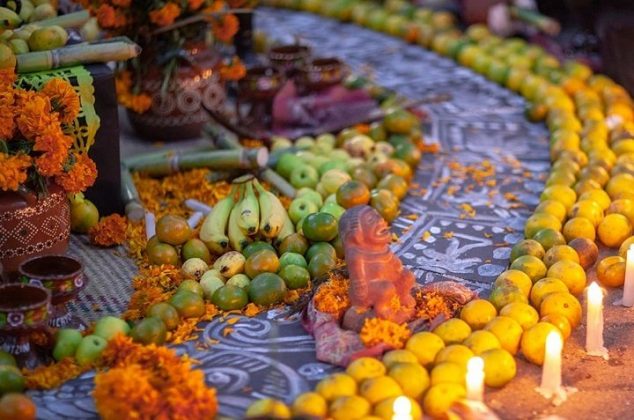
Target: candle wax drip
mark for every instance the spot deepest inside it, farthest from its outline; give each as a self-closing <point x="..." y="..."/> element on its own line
<point x="558" y="396"/>
<point x="601" y="352"/>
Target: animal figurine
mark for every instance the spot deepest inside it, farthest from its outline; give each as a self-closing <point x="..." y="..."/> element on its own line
<point x="378" y="280"/>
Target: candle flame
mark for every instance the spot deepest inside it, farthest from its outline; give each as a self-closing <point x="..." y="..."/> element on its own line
<point x="595" y="294"/>
<point x="402" y="407"/>
<point x="554" y="343"/>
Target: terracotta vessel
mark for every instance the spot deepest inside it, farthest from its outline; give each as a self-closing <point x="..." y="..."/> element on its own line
<point x="289" y="58"/>
<point x="255" y="96"/>
<point x="24" y="309"/>
<point x="321" y="73"/>
<point x="178" y="113"/>
<point x="60" y="274"/>
<point x="30" y="227"/>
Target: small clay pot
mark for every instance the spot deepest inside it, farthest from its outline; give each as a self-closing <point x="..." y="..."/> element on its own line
<point x="321" y="73"/>
<point x="260" y="83"/>
<point x="289" y="58"/>
<point x="62" y="275"/>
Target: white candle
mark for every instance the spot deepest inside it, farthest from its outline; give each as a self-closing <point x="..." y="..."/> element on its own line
<point x="475" y="379"/>
<point x="594" y="322"/>
<point x="402" y="409"/>
<point x="197" y="206"/>
<point x="194" y="219"/>
<point x="551" y="373"/>
<point x="150" y="225"/>
<point x="628" y="287"/>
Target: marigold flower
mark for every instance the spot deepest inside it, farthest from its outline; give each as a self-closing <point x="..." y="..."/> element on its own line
<point x="81" y="175"/>
<point x="54" y="144"/>
<point x="110" y="231"/>
<point x="166" y="15"/>
<point x="63" y="98"/>
<point x="53" y="375"/>
<point x="7" y="113"/>
<point x="194" y="4"/>
<point x="13" y="171"/>
<point x="332" y="296"/>
<point x="7" y="77"/>
<point x="33" y="114"/>
<point x="377" y="331"/>
<point x="121" y="3"/>
<point x="234" y="71"/>
<point x="225" y="27"/>
<point x="106" y="16"/>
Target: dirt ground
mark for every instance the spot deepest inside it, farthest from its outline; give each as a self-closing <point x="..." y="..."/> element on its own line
<point x="605" y="388"/>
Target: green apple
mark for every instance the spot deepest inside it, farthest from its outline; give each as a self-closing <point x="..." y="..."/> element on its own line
<point x="150" y="330"/>
<point x="339" y="154"/>
<point x="66" y="342"/>
<point x="354" y="162"/>
<point x="319" y="161"/>
<point x="311" y="195"/>
<point x="286" y="163"/>
<point x="304" y="143"/>
<point x="299" y="225"/>
<point x="333" y="164"/>
<point x="333" y="179"/>
<point x="109" y="326"/>
<point x="239" y="280"/>
<point x="90" y="349"/>
<point x="279" y="143"/>
<point x="332" y="198"/>
<point x="321" y="190"/>
<point x="301" y="207"/>
<point x="304" y="176"/>
<point x="359" y="146"/>
<point x="326" y="138"/>
<point x="322" y="149"/>
<point x="334" y="209"/>
<point x="292" y="258"/>
<point x="306" y="156"/>
<point x="210" y="282"/>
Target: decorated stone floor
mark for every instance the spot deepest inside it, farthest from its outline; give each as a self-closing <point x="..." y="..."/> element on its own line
<point x="450" y="228"/>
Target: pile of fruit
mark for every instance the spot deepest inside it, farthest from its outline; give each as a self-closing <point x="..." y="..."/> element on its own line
<point x="13" y="404"/>
<point x="21" y="33"/>
<point x="588" y="197"/>
<point x="334" y="173"/>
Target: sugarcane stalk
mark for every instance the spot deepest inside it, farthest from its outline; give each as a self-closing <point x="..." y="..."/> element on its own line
<point x="76" y="54"/>
<point x="541" y="22"/>
<point x="221" y="160"/>
<point x="222" y="138"/>
<point x="278" y="182"/>
<point x="133" y="208"/>
<point x="69" y="20"/>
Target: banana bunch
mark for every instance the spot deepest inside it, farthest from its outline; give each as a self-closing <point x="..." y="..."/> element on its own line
<point x="247" y="212"/>
<point x="29" y="11"/>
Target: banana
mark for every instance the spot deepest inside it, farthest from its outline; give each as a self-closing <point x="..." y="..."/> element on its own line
<point x="249" y="211"/>
<point x="9" y="19"/>
<point x="287" y="229"/>
<point x="272" y="212"/>
<point x="237" y="238"/>
<point x="230" y="264"/>
<point x="213" y="231"/>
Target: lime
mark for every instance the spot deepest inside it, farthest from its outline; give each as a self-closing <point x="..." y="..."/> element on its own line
<point x="159" y="253"/>
<point x="149" y="330"/>
<point x="173" y="230"/>
<point x="262" y="261"/>
<point x="11" y="379"/>
<point x="191" y="286"/>
<point x="292" y="258"/>
<point x="321" y="227"/>
<point x="295" y="276"/>
<point x="267" y="289"/>
<point x="7" y="359"/>
<point x="230" y="298"/>
<point x="195" y="248"/>
<point x="165" y="312"/>
<point x="527" y="247"/>
<point x="294" y="243"/>
<point x="188" y="304"/>
<point x="320" y="265"/>
<point x="256" y="246"/>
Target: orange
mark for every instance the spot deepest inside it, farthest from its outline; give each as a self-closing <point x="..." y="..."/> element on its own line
<point x="539" y="221"/>
<point x="552" y="207"/>
<point x="559" y="321"/>
<point x="533" y="267"/>
<point x="614" y="229"/>
<point x="477" y="313"/>
<point x="499" y="367"/>
<point x="481" y="341"/>
<point x="579" y="227"/>
<point x="549" y="238"/>
<point x="533" y="342"/>
<point x="588" y="209"/>
<point x="562" y="303"/>
<point x="15" y="406"/>
<point x="516" y="278"/>
<point x="425" y="345"/>
<point x="560" y="252"/>
<point x="453" y="331"/>
<point x="544" y="287"/>
<point x="622" y="206"/>
<point x="565" y="195"/>
<point x="173" y="230"/>
<point x="523" y="313"/>
<point x="611" y="271"/>
<point x="618" y="184"/>
<point x="455" y="353"/>
<point x="571" y="273"/>
<point x="587" y="250"/>
<point x="598" y="196"/>
<point x="527" y="247"/>
<point x="507" y="331"/>
<point x="625" y="246"/>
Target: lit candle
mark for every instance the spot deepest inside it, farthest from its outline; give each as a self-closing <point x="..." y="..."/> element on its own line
<point x="402" y="409"/>
<point x="475" y="379"/>
<point x="628" y="287"/>
<point x="551" y="373"/>
<point x="594" y="323"/>
<point x="150" y="225"/>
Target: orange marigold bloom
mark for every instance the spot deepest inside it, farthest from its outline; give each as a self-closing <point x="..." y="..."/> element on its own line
<point x="33" y="114"/>
<point x="7" y="77"/>
<point x="234" y="71"/>
<point x="7" y="113"/>
<point x="64" y="100"/>
<point x="13" y="171"/>
<point x="376" y="331"/>
<point x="55" y="145"/>
<point x="106" y="16"/>
<point x="54" y="375"/>
<point x="194" y="4"/>
<point x="110" y="231"/>
<point x="81" y="175"/>
<point x="332" y="296"/>
<point x="225" y="28"/>
<point x="166" y="15"/>
<point x="140" y="103"/>
<point x="121" y="3"/>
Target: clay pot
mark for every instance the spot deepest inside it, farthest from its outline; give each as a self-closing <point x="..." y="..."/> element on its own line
<point x="179" y="114"/>
<point x="321" y="73"/>
<point x="60" y="274"/>
<point x="256" y="91"/>
<point x="30" y="227"/>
